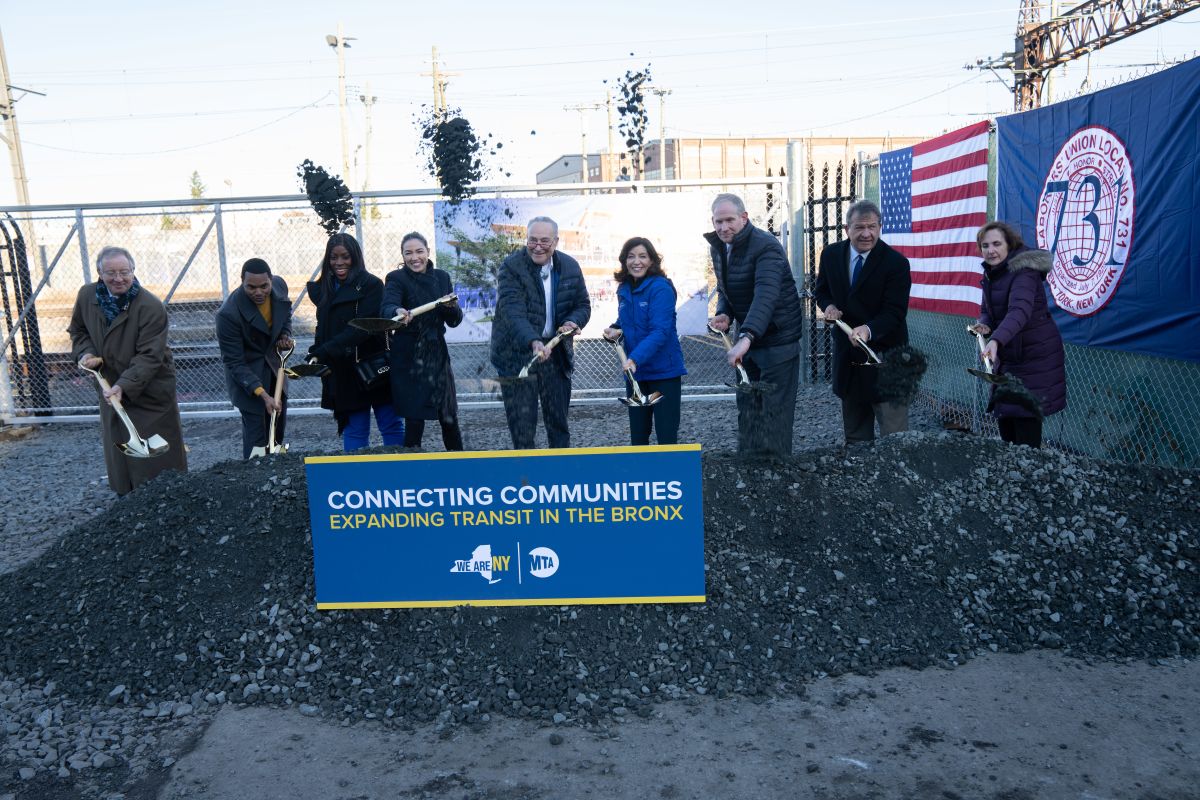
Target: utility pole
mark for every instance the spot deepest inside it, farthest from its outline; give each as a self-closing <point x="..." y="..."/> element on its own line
<point x="662" y="131"/>
<point x="340" y="43"/>
<point x="13" y="140"/>
<point x="440" y="107"/>
<point x="608" y="104"/>
<point x="368" y="100"/>
<point x="584" y="160"/>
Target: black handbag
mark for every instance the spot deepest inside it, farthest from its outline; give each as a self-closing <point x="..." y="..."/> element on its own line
<point x="373" y="369"/>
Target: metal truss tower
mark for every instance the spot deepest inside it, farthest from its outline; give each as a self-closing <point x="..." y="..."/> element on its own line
<point x="1042" y="46"/>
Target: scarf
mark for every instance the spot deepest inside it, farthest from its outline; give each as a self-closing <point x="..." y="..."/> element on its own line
<point x="112" y="306"/>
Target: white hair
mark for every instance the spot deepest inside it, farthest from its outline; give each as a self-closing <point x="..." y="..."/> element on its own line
<point x="546" y="220"/>
<point x="109" y="252"/>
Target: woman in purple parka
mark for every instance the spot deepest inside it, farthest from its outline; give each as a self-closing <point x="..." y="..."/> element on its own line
<point x="1024" y="339"/>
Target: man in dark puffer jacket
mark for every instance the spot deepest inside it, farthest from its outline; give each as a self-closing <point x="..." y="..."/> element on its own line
<point x="755" y="288"/>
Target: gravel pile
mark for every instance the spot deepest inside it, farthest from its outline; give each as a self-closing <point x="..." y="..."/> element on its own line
<point x="926" y="549"/>
<point x="55" y="477"/>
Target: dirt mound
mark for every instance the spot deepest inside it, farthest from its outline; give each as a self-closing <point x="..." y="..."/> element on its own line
<point x="926" y="548"/>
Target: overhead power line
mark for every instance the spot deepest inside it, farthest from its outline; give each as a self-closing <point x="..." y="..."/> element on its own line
<point x="237" y="135"/>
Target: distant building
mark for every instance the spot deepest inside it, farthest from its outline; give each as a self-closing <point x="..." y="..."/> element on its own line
<point x="567" y="169"/>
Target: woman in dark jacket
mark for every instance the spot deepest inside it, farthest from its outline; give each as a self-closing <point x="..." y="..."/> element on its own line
<point x="646" y="320"/>
<point x="1024" y="342"/>
<point x="422" y="380"/>
<point x="346" y="291"/>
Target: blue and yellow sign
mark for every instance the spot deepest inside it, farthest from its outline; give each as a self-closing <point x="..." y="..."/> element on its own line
<point x="519" y="527"/>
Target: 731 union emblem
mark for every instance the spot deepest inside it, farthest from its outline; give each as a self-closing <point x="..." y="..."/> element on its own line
<point x="1085" y="219"/>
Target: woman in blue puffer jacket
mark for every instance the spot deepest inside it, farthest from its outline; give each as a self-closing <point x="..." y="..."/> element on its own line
<point x="646" y="320"/>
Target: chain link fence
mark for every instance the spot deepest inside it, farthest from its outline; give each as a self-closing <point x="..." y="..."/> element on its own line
<point x="189" y="254"/>
<point x="1121" y="406"/>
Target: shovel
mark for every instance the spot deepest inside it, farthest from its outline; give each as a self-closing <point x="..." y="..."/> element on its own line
<point x="388" y="324"/>
<point x="550" y="345"/>
<point x="846" y="329"/>
<point x="988" y="372"/>
<point x="309" y="369"/>
<point x="280" y="378"/>
<point x="744" y="384"/>
<point x="638" y="399"/>
<point x="136" y="447"/>
<point x="1009" y="388"/>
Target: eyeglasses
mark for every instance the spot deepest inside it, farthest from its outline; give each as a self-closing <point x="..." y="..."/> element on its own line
<point x="125" y="273"/>
<point x="543" y="242"/>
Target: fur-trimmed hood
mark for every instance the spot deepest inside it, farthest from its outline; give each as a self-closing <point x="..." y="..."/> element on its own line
<point x="1036" y="260"/>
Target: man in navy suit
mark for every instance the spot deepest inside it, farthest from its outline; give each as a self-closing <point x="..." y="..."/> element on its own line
<point x="865" y="283"/>
<point x="540" y="293"/>
<point x="253" y="323"/>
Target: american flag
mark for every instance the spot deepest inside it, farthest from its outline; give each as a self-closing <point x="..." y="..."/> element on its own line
<point x="934" y="198"/>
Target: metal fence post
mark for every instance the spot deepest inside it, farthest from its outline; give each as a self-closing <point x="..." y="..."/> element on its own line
<point x="797" y="197"/>
<point x="222" y="266"/>
<point x="8" y="406"/>
<point x="358" y="223"/>
<point x="83" y="248"/>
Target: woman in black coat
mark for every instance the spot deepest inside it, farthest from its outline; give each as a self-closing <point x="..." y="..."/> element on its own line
<point x="344" y="292"/>
<point x="422" y="380"/>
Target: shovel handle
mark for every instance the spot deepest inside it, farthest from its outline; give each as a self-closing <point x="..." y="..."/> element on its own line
<point x="743" y="376"/>
<point x="550" y="345"/>
<point x="115" y="402"/>
<point x="979" y="340"/>
<point x="280" y="380"/>
<point x="426" y="308"/>
<point x="637" y="390"/>
<point x="846" y="329"/>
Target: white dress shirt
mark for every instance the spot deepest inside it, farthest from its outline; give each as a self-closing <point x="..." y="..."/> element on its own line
<point x="547" y="284"/>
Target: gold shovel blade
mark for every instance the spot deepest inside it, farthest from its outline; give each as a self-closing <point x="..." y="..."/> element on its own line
<point x="145" y="448"/>
<point x="524" y="373"/>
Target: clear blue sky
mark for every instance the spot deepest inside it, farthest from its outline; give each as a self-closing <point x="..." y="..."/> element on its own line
<point x="140" y="94"/>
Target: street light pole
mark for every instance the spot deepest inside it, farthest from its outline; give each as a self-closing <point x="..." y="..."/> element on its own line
<point x="340" y="43"/>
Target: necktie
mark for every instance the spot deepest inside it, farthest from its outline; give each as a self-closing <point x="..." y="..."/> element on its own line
<point x="858" y="262"/>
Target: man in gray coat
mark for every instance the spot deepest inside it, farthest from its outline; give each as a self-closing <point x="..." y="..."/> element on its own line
<point x="540" y="292"/>
<point x="755" y="288"/>
<point x="120" y="329"/>
<point x="253" y="324"/>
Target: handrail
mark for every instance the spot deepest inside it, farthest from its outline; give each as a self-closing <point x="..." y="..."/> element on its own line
<point x="435" y="193"/>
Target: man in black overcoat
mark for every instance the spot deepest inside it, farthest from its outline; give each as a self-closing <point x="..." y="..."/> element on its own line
<point x="865" y="283"/>
<point x="253" y="324"/>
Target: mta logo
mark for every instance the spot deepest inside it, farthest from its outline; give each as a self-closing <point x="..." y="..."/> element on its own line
<point x="543" y="562"/>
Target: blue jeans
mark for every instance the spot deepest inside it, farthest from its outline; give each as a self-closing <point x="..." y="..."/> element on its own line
<point x="357" y="432"/>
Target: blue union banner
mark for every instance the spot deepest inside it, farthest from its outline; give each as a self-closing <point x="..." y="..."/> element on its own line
<point x="1108" y="183"/>
<point x="524" y="527"/>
